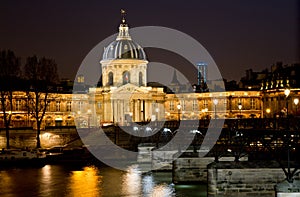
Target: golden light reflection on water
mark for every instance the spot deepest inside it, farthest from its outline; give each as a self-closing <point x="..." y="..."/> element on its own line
<point x="6" y="182"/>
<point x="85" y="183"/>
<point x="56" y="180"/>
<point x="45" y="179"/>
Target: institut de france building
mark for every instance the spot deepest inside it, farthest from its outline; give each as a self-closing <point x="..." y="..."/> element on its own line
<point x="124" y="96"/>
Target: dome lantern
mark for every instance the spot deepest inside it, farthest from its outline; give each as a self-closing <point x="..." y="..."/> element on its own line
<point x="123" y="47"/>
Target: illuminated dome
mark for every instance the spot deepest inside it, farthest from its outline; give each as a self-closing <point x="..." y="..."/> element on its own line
<point x="123" y="47"/>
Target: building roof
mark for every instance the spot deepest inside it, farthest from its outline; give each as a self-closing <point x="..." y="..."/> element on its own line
<point x="123" y="47"/>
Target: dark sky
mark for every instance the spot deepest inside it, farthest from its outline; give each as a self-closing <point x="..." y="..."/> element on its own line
<point x="239" y="34"/>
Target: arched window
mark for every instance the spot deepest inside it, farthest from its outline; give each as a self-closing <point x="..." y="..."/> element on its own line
<point x="141" y="79"/>
<point x="126" y="77"/>
<point x="110" y="79"/>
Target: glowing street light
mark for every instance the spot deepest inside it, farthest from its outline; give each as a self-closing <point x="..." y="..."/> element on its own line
<point x="287" y="93"/>
<point x="204" y="111"/>
<point x="215" y="101"/>
<point x="296" y="102"/>
<point x="89" y="112"/>
<point x="268" y="110"/>
<point x="240" y="108"/>
<point x="178" y="107"/>
<point x="156" y="110"/>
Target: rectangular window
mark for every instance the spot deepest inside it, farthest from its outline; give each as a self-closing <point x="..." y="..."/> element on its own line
<point x="225" y="103"/>
<point x="252" y="103"/>
<point x="99" y="105"/>
<point x="80" y="105"/>
<point x="205" y="104"/>
<point x="182" y="103"/>
<point x="57" y="105"/>
<point x="69" y="106"/>
<point x="171" y="105"/>
<point x="195" y="105"/>
<point x="48" y="106"/>
<point x="18" y="105"/>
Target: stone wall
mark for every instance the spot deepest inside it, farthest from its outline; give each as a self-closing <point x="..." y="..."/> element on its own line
<point x="162" y="160"/>
<point x="50" y="137"/>
<point x="244" y="178"/>
<point x="194" y="169"/>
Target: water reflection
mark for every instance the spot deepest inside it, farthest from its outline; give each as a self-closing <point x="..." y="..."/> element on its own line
<point x="148" y="184"/>
<point x="90" y="181"/>
<point x="131" y="183"/>
<point x="6" y="181"/>
<point x="85" y="183"/>
<point x="163" y="190"/>
<point x="45" y="179"/>
<point x="136" y="184"/>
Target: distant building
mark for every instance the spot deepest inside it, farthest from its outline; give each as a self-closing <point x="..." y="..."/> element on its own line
<point x="202" y="72"/>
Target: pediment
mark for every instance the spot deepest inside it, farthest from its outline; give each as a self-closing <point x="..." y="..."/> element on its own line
<point x="130" y="89"/>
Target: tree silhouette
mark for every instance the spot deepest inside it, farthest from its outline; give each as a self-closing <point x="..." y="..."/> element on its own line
<point x="42" y="76"/>
<point x="9" y="76"/>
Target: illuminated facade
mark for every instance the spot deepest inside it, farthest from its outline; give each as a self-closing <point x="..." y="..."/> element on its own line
<point x="124" y="97"/>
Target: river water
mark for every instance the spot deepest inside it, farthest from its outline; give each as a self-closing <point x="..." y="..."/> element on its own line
<point x="91" y="181"/>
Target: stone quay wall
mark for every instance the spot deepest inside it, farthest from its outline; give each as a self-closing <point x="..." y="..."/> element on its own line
<point x="26" y="138"/>
<point x="244" y="178"/>
<point x="194" y="169"/>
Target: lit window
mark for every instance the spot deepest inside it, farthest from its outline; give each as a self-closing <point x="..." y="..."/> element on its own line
<point x="225" y="103"/>
<point x="18" y="105"/>
<point x="99" y="104"/>
<point x="57" y="105"/>
<point x="252" y="103"/>
<point x="195" y="105"/>
<point x="69" y="106"/>
<point x="48" y="106"/>
<point x="126" y="77"/>
<point x="80" y="105"/>
<point x="205" y="104"/>
<point x="182" y="103"/>
<point x="171" y="105"/>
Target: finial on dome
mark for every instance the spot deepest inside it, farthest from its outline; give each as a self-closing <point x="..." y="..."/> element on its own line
<point x="123" y="14"/>
<point x="123" y="29"/>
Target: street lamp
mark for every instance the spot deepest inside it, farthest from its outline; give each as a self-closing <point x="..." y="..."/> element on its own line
<point x="268" y="110"/>
<point x="215" y="101"/>
<point x="240" y="108"/>
<point x="178" y="107"/>
<point x="287" y="93"/>
<point x="156" y="110"/>
<point x="204" y="112"/>
<point x="296" y="101"/>
<point x="89" y="118"/>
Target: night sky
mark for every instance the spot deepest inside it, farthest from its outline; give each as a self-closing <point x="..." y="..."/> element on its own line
<point x="238" y="34"/>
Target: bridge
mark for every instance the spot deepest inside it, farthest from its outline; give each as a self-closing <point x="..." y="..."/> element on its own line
<point x="258" y="138"/>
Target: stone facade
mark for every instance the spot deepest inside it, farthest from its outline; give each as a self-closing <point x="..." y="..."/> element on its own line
<point x="22" y="138"/>
<point x="125" y="98"/>
<point x="194" y="169"/>
<point x="244" y="178"/>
